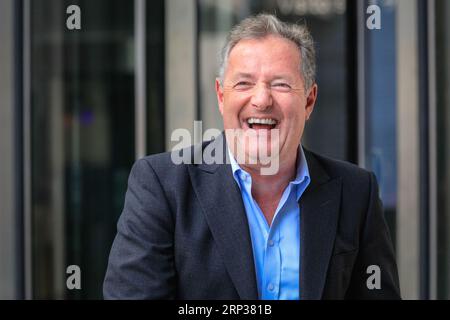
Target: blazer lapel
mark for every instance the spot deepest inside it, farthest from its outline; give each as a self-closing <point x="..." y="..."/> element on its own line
<point x="221" y="201"/>
<point x="318" y="224"/>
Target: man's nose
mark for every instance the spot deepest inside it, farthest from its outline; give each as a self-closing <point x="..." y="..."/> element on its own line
<point x="262" y="96"/>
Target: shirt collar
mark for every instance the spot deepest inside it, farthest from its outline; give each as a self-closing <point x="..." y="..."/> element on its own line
<point x="302" y="177"/>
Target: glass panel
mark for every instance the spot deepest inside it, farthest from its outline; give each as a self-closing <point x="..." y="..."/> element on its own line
<point x="327" y="20"/>
<point x="83" y="134"/>
<point x="443" y="145"/>
<point x="380" y="105"/>
<point x="155" y="76"/>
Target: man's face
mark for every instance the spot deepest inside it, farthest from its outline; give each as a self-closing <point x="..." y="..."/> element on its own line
<point x="263" y="81"/>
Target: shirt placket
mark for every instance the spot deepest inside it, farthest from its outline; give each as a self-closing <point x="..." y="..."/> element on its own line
<point x="272" y="266"/>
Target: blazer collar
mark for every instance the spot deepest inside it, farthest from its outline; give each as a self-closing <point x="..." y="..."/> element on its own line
<point x="222" y="205"/>
<point x="318" y="225"/>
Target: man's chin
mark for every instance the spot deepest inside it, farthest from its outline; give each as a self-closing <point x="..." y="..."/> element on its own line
<point x="259" y="155"/>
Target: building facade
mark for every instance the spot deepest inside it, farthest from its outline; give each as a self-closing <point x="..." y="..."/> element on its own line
<point x="87" y="90"/>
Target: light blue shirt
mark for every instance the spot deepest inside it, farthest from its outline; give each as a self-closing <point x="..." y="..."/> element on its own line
<point x="276" y="249"/>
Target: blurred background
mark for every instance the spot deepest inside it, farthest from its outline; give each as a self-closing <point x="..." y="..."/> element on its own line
<point x="78" y="107"/>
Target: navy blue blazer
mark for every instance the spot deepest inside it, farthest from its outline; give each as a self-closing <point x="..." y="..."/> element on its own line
<point x="183" y="234"/>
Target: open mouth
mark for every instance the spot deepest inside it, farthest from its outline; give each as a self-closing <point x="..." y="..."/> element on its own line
<point x="265" y="123"/>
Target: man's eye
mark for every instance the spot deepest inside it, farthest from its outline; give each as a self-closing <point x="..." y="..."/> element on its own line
<point x="242" y="85"/>
<point x="282" y="85"/>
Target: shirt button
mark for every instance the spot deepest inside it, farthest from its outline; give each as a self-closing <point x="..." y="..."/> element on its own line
<point x="271" y="243"/>
<point x="271" y="287"/>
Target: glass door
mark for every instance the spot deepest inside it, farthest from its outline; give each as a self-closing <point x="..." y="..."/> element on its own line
<point x="82" y="138"/>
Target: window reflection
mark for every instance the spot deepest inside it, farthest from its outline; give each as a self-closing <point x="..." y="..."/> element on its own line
<point x="83" y="134"/>
<point x="328" y="23"/>
<point x="380" y="106"/>
<point x="443" y="146"/>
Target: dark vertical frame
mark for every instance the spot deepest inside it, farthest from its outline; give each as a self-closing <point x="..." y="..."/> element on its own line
<point x="18" y="149"/>
<point x="352" y="81"/>
<point x="442" y="23"/>
<point x="424" y="218"/>
<point x="156" y="76"/>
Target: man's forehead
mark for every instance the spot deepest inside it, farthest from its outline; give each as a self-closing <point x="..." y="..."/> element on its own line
<point x="273" y="41"/>
<point x="254" y="51"/>
<point x="247" y="60"/>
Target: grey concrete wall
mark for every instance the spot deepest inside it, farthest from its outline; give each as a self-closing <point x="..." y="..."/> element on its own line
<point x="7" y="219"/>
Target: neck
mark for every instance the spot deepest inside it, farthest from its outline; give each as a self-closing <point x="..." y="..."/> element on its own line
<point x="272" y="186"/>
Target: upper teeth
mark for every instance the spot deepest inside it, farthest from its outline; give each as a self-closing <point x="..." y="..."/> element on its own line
<point x="262" y="121"/>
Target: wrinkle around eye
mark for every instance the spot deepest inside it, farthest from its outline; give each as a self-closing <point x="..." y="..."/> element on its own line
<point x="243" y="86"/>
<point x="281" y="85"/>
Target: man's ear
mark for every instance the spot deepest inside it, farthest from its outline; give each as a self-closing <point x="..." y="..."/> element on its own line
<point x="311" y="100"/>
<point x="219" y="93"/>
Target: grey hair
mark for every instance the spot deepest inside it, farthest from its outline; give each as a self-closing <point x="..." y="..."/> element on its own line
<point x="263" y="25"/>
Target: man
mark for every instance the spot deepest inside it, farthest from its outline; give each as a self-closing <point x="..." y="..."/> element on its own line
<point x="313" y="229"/>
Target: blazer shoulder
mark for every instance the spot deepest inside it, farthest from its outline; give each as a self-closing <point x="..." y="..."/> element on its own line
<point x="347" y="171"/>
<point x="171" y="163"/>
<point x="176" y="158"/>
<point x="158" y="160"/>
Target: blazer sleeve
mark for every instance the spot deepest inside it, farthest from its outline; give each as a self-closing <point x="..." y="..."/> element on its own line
<point x="141" y="262"/>
<point x="376" y="250"/>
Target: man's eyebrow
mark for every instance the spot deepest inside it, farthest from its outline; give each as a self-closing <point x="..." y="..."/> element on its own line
<point x="247" y="75"/>
<point x="242" y="75"/>
<point x="282" y="77"/>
